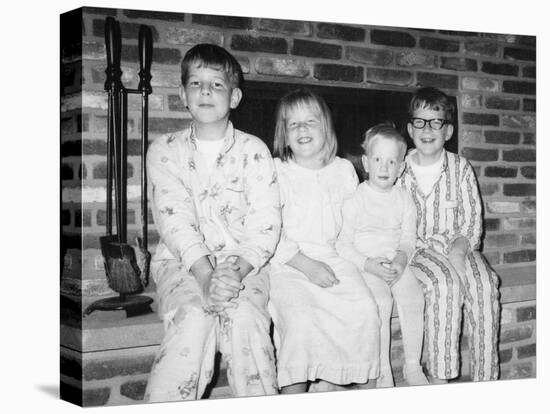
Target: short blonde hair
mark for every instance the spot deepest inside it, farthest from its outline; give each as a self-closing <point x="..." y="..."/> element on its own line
<point x="303" y="98"/>
<point x="385" y="130"/>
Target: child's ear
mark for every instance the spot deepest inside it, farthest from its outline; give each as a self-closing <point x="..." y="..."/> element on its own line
<point x="401" y="168"/>
<point x="410" y="129"/>
<point x="236" y="96"/>
<point x="183" y="96"/>
<point x="449" y="131"/>
<point x="364" y="162"/>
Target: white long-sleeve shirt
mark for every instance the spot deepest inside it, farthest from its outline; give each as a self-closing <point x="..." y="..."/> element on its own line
<point x="377" y="223"/>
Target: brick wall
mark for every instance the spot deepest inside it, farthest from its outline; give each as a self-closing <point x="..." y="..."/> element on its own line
<point x="492" y="75"/>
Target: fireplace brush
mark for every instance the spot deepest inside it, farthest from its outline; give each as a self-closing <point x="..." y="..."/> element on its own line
<point x="127" y="269"/>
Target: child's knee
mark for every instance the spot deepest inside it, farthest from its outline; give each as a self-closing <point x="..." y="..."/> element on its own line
<point x="248" y="317"/>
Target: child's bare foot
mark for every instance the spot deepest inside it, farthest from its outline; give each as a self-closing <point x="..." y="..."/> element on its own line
<point x="413" y="375"/>
<point x="385" y="380"/>
<point x="437" y="381"/>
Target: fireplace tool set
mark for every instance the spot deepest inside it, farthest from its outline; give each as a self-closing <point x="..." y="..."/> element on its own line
<point x="127" y="269"/>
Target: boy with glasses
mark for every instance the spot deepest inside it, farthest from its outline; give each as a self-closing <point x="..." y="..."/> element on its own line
<point x="448" y="263"/>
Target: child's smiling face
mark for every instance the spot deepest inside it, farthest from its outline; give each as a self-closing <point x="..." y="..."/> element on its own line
<point x="429" y="142"/>
<point x="384" y="163"/>
<point x="209" y="94"/>
<point x="305" y="135"/>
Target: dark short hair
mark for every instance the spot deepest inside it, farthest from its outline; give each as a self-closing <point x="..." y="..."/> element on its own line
<point x="432" y="98"/>
<point x="215" y="57"/>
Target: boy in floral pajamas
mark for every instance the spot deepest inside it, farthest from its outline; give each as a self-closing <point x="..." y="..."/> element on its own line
<point x="215" y="202"/>
<point x="448" y="263"/>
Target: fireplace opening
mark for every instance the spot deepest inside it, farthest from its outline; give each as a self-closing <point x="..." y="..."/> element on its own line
<point x="353" y="112"/>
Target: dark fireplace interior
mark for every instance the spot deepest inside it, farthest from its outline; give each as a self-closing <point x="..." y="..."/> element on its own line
<point x="353" y="112"/>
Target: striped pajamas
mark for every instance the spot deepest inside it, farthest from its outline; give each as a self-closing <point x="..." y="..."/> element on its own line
<point x="453" y="209"/>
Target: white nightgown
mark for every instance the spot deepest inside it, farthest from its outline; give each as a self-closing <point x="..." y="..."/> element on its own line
<point x="320" y="333"/>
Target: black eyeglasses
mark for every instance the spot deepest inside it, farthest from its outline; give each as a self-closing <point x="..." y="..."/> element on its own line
<point x="436" y="124"/>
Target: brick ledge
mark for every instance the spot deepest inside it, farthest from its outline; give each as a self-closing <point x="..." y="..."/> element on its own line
<point x="103" y="331"/>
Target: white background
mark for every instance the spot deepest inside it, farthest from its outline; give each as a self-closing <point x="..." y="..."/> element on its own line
<point x="29" y="162"/>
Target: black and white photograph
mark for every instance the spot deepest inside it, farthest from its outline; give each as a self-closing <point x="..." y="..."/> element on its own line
<point x="315" y="200"/>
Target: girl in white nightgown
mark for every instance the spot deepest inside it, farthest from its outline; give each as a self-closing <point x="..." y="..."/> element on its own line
<point x="326" y="320"/>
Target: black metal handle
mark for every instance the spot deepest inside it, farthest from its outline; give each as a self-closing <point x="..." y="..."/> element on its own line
<point x="113" y="46"/>
<point x="145" y="58"/>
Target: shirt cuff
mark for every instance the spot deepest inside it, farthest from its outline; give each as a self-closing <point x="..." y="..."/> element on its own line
<point x="194" y="253"/>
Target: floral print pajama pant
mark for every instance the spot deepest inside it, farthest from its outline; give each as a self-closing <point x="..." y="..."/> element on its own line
<point x="185" y="362"/>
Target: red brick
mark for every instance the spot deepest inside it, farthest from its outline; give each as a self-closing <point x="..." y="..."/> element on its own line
<point x="503" y="103"/>
<point x="415" y="59"/>
<point x="282" y="67"/>
<point x="529" y="105"/>
<point x="519" y="87"/>
<point x="502" y="172"/>
<point x="66" y="172"/>
<point x="470" y="101"/>
<point x="501" y="240"/>
<point x="437" y="80"/>
<point x="164" y="125"/>
<point x="519" y="54"/>
<point x="491" y="224"/>
<point x="175" y="103"/>
<point x="529" y="72"/>
<point x="470" y="137"/>
<point x="441" y="45"/>
<point x="459" y="64"/>
<point x="519" y="223"/>
<point x="501" y="137"/>
<point x="377" y="57"/>
<point x="134" y="390"/>
<point x="157" y="15"/>
<point x="500" y="68"/>
<point x="392" y="38"/>
<point x="95" y="370"/>
<point x="505" y="355"/>
<point x="520" y="256"/>
<point x="331" y="72"/>
<point x="127" y="30"/>
<point x="519" y="155"/>
<point x="480" y="84"/>
<point x="316" y="49"/>
<point x="484" y="48"/>
<point x="259" y="44"/>
<point x="100" y="170"/>
<point x="480" y="154"/>
<point x="95" y="397"/>
<point x="529" y="206"/>
<point x="529" y="172"/>
<point x="516" y="371"/>
<point x="493" y="258"/>
<point x="480" y="119"/>
<point x="529" y="238"/>
<point x="517" y="333"/>
<point x="340" y="32"/>
<point x="529" y="138"/>
<point x="294" y="27"/>
<point x="488" y="189"/>
<point x="516" y="190"/>
<point x="226" y="22"/>
<point x="191" y="37"/>
<point x="165" y="56"/>
<point x="526" y="351"/>
<point x="526" y="313"/>
<point x="389" y="77"/>
<point x="519" y="121"/>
